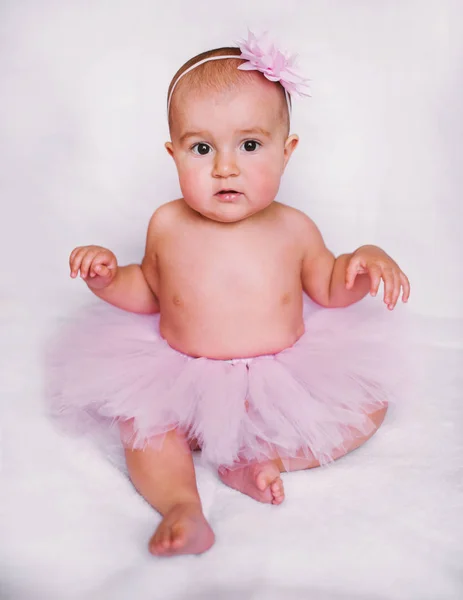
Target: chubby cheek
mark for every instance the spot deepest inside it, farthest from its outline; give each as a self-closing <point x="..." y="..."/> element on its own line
<point x="265" y="181"/>
<point x="194" y="181"/>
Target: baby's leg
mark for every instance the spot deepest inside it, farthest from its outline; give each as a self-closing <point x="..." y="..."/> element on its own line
<point x="166" y="479"/>
<point x="309" y="462"/>
<point x="262" y="481"/>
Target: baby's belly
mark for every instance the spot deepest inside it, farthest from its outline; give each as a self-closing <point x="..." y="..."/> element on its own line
<point x="225" y="333"/>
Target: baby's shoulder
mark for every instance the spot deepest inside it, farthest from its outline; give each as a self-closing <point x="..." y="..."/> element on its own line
<point x="163" y="222"/>
<point x="166" y="216"/>
<point x="295" y="219"/>
<point x="166" y="213"/>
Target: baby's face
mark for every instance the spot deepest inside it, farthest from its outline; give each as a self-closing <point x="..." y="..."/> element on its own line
<point x="230" y="149"/>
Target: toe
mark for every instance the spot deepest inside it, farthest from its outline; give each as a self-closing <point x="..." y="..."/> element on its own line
<point x="261" y="482"/>
<point x="278" y="500"/>
<point x="178" y="537"/>
<point x="267" y="477"/>
<point x="166" y="539"/>
<point x="155" y="547"/>
<point x="277" y="491"/>
<point x="155" y="540"/>
<point x="157" y="535"/>
<point x="277" y="487"/>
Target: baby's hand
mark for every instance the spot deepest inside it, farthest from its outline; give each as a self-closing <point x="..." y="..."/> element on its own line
<point x="378" y="265"/>
<point x="97" y="265"/>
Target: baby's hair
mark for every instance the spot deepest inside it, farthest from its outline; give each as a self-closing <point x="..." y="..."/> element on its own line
<point x="216" y="75"/>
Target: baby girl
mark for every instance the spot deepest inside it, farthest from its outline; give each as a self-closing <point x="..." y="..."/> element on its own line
<point x="213" y="344"/>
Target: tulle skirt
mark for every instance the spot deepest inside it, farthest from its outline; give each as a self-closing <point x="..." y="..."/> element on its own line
<point x="111" y="376"/>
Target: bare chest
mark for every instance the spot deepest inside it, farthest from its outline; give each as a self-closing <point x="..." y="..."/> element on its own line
<point x="201" y="267"/>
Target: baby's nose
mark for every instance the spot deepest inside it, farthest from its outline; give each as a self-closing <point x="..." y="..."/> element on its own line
<point x="225" y="165"/>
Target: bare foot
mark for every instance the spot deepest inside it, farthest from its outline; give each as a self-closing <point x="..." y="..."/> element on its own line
<point x="183" y="530"/>
<point x="261" y="481"/>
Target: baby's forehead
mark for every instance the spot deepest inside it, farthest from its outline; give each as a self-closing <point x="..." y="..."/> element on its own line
<point x="248" y="100"/>
<point x="226" y="115"/>
<point x="251" y="91"/>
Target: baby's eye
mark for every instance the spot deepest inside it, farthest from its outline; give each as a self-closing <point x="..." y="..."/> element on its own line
<point x="201" y="148"/>
<point x="251" y="145"/>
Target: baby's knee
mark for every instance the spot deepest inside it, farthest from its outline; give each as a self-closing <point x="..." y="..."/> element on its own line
<point x="378" y="415"/>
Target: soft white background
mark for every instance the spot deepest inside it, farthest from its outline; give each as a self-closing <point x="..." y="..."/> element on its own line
<point x="82" y="125"/>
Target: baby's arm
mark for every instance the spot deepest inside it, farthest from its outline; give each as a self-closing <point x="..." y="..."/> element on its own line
<point x="130" y="288"/>
<point x="337" y="282"/>
<point x="324" y="276"/>
<point x="130" y="291"/>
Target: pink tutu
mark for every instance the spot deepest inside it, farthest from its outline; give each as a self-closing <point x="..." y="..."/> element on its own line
<point x="113" y="367"/>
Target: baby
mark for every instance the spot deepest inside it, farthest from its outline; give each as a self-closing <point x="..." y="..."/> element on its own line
<point x="212" y="349"/>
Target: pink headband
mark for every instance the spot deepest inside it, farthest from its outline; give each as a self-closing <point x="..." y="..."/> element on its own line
<point x="261" y="55"/>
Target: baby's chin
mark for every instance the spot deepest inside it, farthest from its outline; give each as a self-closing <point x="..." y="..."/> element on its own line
<point x="228" y="212"/>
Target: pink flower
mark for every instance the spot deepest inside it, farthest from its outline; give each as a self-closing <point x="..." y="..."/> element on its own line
<point x="262" y="56"/>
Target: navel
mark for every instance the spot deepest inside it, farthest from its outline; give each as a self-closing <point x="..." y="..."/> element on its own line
<point x="177" y="300"/>
<point x="286" y="298"/>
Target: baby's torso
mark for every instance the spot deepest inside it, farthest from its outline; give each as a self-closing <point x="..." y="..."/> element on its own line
<point x="229" y="291"/>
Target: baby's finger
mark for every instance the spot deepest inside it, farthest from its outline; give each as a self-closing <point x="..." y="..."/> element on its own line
<point x="71" y="257"/>
<point x="72" y="261"/>
<point x="77" y="261"/>
<point x="87" y="262"/>
<point x="100" y="270"/>
<point x="375" y="279"/>
<point x="388" y="279"/>
<point x="104" y="257"/>
<point x="351" y="272"/>
<point x="102" y="264"/>
<point x="110" y="260"/>
<point x="406" y="287"/>
<point x="396" y="291"/>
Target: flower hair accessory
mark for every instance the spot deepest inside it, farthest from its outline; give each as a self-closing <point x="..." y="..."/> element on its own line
<point x="263" y="56"/>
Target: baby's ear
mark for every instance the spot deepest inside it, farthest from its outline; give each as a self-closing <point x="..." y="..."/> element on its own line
<point x="290" y="145"/>
<point x="170" y="148"/>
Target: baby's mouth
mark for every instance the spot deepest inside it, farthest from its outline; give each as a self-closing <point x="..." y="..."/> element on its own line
<point x="229" y="195"/>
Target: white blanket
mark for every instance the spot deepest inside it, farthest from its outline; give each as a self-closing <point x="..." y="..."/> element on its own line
<point x="385" y="522"/>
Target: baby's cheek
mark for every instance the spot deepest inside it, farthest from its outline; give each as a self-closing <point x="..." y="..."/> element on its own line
<point x="267" y="181"/>
<point x="189" y="180"/>
<point x="195" y="186"/>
